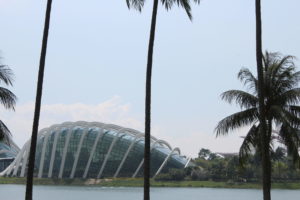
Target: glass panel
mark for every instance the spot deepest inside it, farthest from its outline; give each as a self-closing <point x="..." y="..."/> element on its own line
<point x="48" y="152"/>
<point x="71" y="151"/>
<point x="133" y="160"/>
<point x="38" y="154"/>
<point x="85" y="151"/>
<point x="116" y="155"/>
<point x="173" y="162"/>
<point x="59" y="151"/>
<point x="99" y="155"/>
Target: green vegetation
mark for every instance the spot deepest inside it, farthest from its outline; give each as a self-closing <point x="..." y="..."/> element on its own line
<point x="226" y="167"/>
<point x="138" y="182"/>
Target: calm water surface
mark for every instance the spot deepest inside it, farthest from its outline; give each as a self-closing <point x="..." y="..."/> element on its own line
<point x="16" y="192"/>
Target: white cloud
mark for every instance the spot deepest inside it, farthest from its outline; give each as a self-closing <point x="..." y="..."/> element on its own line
<point x="111" y="111"/>
<point x="114" y="111"/>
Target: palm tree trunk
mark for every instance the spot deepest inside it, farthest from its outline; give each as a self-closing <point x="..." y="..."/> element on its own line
<point x="262" y="118"/>
<point x="148" y="104"/>
<point x="35" y="126"/>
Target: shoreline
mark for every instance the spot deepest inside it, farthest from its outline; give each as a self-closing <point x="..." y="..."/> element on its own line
<point x="138" y="182"/>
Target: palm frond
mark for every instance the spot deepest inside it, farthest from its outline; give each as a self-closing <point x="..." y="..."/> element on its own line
<point x="290" y="97"/>
<point x="284" y="80"/>
<point x="6" y="75"/>
<point x="295" y="77"/>
<point x="282" y="116"/>
<point x="237" y="120"/>
<point x="294" y="110"/>
<point x="186" y="5"/>
<point x="291" y="140"/>
<point x="249" y="142"/>
<point x="269" y="58"/>
<point x="167" y="4"/>
<point x="247" y="78"/>
<point x="7" y="98"/>
<point x="243" y="99"/>
<point x="183" y="3"/>
<point x="4" y="133"/>
<point x="136" y="4"/>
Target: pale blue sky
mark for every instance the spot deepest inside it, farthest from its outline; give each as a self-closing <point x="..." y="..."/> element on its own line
<point x="97" y="54"/>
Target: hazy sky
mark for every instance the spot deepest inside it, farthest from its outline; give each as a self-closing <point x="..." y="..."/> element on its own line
<point x="96" y="61"/>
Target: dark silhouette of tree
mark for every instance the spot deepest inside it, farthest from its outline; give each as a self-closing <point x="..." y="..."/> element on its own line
<point x="278" y="154"/>
<point x="204" y="153"/>
<point x="138" y="4"/>
<point x="280" y="103"/>
<point x="266" y="163"/>
<point x="7" y="99"/>
<point x="38" y="99"/>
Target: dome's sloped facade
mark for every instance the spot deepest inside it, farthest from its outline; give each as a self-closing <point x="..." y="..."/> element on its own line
<point x="7" y="154"/>
<point x="94" y="150"/>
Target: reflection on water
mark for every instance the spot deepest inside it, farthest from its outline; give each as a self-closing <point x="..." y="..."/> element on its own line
<point x="17" y="192"/>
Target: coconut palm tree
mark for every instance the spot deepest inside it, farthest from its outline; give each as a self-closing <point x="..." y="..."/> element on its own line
<point x="7" y="99"/>
<point x="281" y="110"/>
<point x="138" y="4"/>
<point x="38" y="99"/>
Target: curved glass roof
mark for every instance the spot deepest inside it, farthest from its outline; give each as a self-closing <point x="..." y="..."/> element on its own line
<point x="94" y="150"/>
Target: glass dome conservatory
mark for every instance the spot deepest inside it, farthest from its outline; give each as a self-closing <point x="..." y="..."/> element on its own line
<point x="94" y="150"/>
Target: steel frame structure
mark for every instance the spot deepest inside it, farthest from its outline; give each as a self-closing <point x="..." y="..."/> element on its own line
<point x="22" y="157"/>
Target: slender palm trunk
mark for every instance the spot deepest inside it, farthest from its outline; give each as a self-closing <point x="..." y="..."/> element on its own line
<point x="38" y="104"/>
<point x="148" y="104"/>
<point x="263" y="132"/>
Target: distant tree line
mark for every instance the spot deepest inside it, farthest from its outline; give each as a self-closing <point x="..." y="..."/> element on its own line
<point x="227" y="167"/>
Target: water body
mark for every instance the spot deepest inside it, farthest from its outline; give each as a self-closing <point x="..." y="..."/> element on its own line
<point x="17" y="192"/>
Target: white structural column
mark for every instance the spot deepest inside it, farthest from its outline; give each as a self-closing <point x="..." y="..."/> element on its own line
<point x="24" y="164"/>
<point x="99" y="136"/>
<point x="62" y="164"/>
<point x="152" y="146"/>
<point x="136" y="139"/>
<point x="85" y="131"/>
<point x="17" y="163"/>
<point x="41" y="166"/>
<point x="166" y="160"/>
<point x="108" y="152"/>
<point x="187" y="163"/>
<point x="56" y="132"/>
<point x="8" y="170"/>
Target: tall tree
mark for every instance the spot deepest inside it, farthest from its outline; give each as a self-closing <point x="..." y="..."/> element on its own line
<point x="168" y="5"/>
<point x="7" y="99"/>
<point x="281" y="109"/>
<point x="38" y="99"/>
<point x="266" y="162"/>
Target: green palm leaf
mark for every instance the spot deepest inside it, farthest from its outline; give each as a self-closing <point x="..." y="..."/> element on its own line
<point x="4" y="133"/>
<point x="237" y="120"/>
<point x="246" y="76"/>
<point x="6" y="75"/>
<point x="290" y="138"/>
<point x="243" y="99"/>
<point x="289" y="97"/>
<point x="136" y="4"/>
<point x="250" y="141"/>
<point x="7" y="98"/>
